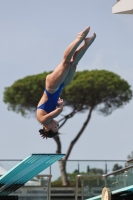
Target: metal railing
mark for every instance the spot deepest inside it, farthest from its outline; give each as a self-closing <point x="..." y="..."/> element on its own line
<point x="81" y="179"/>
<point x="48" y="185"/>
<point x="81" y="167"/>
<point x="115" y="180"/>
<point x="118" y="171"/>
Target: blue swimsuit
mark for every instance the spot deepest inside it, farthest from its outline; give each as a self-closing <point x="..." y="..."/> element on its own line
<point x="51" y="103"/>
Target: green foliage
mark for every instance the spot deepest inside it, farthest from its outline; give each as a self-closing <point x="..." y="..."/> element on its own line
<point x="25" y="93"/>
<point x="97" y="89"/>
<point x="72" y="177"/>
<point x="130" y="156"/>
<point x="116" y="167"/>
<point x="95" y="171"/>
<point x="92" y="171"/>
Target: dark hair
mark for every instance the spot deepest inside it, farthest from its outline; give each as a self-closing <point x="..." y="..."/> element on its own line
<point x="48" y="134"/>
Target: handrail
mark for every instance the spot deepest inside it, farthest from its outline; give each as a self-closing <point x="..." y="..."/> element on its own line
<point x="49" y="183"/>
<point x="128" y="161"/>
<point x="83" y="176"/>
<point x="11" y="160"/>
<point x="118" y="171"/>
<point x="104" y="160"/>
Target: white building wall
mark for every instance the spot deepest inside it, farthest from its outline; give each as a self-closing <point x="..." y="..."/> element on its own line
<point x="123" y="7"/>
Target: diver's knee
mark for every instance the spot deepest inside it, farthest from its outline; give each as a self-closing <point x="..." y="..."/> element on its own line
<point x="73" y="65"/>
<point x="66" y="62"/>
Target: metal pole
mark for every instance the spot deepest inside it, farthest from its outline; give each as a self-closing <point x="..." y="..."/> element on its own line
<point x="106" y="171"/>
<point x="76" y="189"/>
<point x="50" y="170"/>
<point x="82" y="189"/>
<point x="49" y="188"/>
<point x="78" y="168"/>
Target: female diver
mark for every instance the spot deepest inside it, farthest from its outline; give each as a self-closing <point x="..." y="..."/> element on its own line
<point x="50" y="104"/>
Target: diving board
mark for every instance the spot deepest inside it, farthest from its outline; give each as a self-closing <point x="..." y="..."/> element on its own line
<point x="25" y="171"/>
<point x="96" y="198"/>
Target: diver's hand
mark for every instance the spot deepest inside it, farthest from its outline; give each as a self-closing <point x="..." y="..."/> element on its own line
<point x="60" y="103"/>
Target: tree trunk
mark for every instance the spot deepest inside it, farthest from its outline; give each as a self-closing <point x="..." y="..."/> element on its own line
<point x="62" y="165"/>
<point x="79" y="134"/>
<point x="58" y="142"/>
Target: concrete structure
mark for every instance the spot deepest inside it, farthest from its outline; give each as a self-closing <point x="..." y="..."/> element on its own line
<point x="123" y="7"/>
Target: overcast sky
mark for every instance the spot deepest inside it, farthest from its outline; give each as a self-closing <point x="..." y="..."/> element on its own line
<point x="34" y="35"/>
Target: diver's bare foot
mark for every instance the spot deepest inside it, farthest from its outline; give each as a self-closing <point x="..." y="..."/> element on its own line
<point x="84" y="33"/>
<point x="88" y="41"/>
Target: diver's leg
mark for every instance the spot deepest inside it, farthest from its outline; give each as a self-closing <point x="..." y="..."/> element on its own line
<point x="81" y="51"/>
<point x="54" y="80"/>
<point x="76" y="58"/>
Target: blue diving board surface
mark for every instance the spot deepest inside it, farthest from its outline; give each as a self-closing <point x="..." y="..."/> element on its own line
<point x="96" y="197"/>
<point x="25" y="171"/>
<point x="123" y="191"/>
<point x="128" y="189"/>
